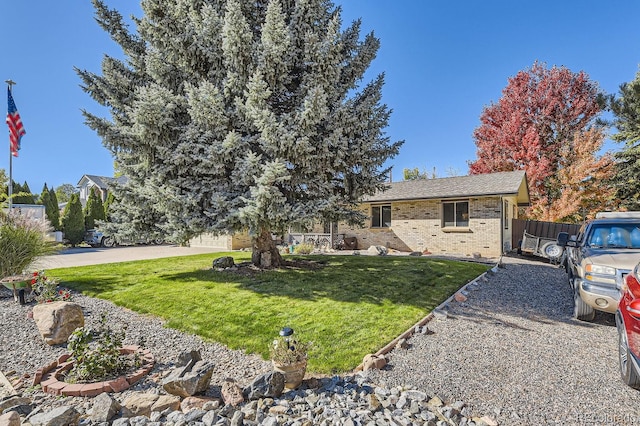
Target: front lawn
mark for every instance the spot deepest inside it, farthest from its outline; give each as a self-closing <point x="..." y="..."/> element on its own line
<point x="350" y="306"/>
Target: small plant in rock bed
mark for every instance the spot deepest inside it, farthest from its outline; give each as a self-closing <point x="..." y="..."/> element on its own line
<point x="96" y="354"/>
<point x="286" y="350"/>
<point x="46" y="289"/>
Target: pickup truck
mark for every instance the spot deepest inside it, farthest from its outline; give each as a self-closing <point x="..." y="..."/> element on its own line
<point x="598" y="259"/>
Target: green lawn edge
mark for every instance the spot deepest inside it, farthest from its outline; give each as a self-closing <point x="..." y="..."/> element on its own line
<point x="348" y="307"/>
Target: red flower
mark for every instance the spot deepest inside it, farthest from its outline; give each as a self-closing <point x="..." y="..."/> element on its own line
<point x="35" y="274"/>
<point x="34" y="281"/>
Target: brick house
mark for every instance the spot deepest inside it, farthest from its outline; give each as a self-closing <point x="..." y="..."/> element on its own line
<point x="454" y="215"/>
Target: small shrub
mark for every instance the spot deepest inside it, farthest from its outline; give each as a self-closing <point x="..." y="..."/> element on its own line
<point x="304" y="248"/>
<point x="97" y="354"/>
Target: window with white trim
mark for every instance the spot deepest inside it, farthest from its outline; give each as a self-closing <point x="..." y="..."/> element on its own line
<point x="381" y="216"/>
<point x="455" y="214"/>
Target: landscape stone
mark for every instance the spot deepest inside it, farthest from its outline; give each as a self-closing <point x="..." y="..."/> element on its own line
<point x="57" y="320"/>
<point x="61" y="416"/>
<point x="223" y="262"/>
<point x="104" y="408"/>
<point x="10" y="419"/>
<point x="268" y="385"/>
<point x="371" y="362"/>
<point x="189" y="380"/>
<point x="13" y="401"/>
<point x="138" y="404"/>
<point x="231" y="393"/>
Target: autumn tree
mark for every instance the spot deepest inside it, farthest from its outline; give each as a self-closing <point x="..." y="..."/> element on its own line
<point x="533" y="126"/>
<point x="581" y="181"/>
<point x="229" y="115"/>
<point x="626" y="110"/>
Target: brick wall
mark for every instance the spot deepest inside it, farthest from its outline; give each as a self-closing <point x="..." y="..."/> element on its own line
<point x="417" y="226"/>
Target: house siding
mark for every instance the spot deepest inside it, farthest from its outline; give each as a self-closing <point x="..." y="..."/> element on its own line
<point x="224" y="241"/>
<point x="417" y="226"/>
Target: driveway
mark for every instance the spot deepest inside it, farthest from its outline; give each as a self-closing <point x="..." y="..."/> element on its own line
<point x="82" y="256"/>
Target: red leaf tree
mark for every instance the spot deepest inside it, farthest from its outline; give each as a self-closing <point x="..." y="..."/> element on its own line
<point x="533" y="125"/>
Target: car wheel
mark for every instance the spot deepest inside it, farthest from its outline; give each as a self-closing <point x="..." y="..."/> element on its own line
<point x="581" y="310"/>
<point x="627" y="371"/>
<point x="108" y="242"/>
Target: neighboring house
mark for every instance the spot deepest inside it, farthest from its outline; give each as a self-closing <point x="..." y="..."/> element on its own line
<point x="456" y="215"/>
<point x="100" y="183"/>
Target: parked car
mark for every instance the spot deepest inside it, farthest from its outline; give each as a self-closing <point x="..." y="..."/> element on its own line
<point x="628" y="324"/>
<point x="598" y="259"/>
<point x="96" y="238"/>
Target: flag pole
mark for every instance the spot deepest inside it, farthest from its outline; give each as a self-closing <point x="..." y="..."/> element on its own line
<point x="10" y="185"/>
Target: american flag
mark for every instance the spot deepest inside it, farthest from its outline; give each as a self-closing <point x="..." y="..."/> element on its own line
<point x="16" y="129"/>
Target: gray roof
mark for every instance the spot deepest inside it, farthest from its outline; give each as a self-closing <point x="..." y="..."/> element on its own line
<point x="503" y="183"/>
<point x="103" y="182"/>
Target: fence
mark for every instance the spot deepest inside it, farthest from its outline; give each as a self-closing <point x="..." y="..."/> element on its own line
<point x="541" y="229"/>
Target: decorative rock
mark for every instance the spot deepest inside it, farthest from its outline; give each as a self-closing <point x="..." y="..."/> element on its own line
<point x="460" y="297"/>
<point x="402" y="344"/>
<point x="210" y="418"/>
<point x="269" y="385"/>
<point x="223" y="262"/>
<point x="377" y="250"/>
<point x="372" y="361"/>
<point x="198" y="403"/>
<point x="237" y="419"/>
<point x="57" y="320"/>
<point x="189" y="380"/>
<point x="185" y="358"/>
<point x="61" y="416"/>
<point x="13" y="401"/>
<point x="164" y="402"/>
<point x="231" y="393"/>
<point x="104" y="408"/>
<point x="138" y="404"/>
<point x="10" y="419"/>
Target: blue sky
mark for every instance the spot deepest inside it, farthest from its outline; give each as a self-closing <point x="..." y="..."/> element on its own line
<point x="443" y="60"/>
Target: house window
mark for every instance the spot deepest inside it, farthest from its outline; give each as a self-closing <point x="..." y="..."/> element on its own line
<point x="381" y="216"/>
<point x="455" y="214"/>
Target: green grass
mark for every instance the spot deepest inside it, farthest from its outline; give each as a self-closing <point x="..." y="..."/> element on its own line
<point x="352" y="306"/>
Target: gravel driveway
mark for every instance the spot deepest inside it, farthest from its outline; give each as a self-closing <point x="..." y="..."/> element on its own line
<point x="513" y="351"/>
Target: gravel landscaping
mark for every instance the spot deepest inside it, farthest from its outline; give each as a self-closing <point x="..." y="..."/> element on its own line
<point x="511" y="353"/>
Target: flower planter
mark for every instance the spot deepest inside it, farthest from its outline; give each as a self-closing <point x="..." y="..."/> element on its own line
<point x="51" y="376"/>
<point x="293" y="373"/>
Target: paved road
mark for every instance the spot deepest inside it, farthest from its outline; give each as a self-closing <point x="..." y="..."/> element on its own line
<point x="81" y="256"/>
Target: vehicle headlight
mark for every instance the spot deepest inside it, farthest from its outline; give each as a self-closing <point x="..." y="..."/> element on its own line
<point x="599" y="270"/>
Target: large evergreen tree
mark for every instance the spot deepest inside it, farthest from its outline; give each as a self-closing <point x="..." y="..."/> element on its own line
<point x="626" y="109"/>
<point x="73" y="221"/>
<point x="230" y="115"/>
<point x="534" y="125"/>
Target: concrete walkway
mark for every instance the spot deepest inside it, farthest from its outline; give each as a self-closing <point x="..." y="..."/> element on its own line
<point x="81" y="256"/>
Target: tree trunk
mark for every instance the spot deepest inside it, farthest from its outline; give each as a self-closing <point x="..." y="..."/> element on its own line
<point x="265" y="253"/>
